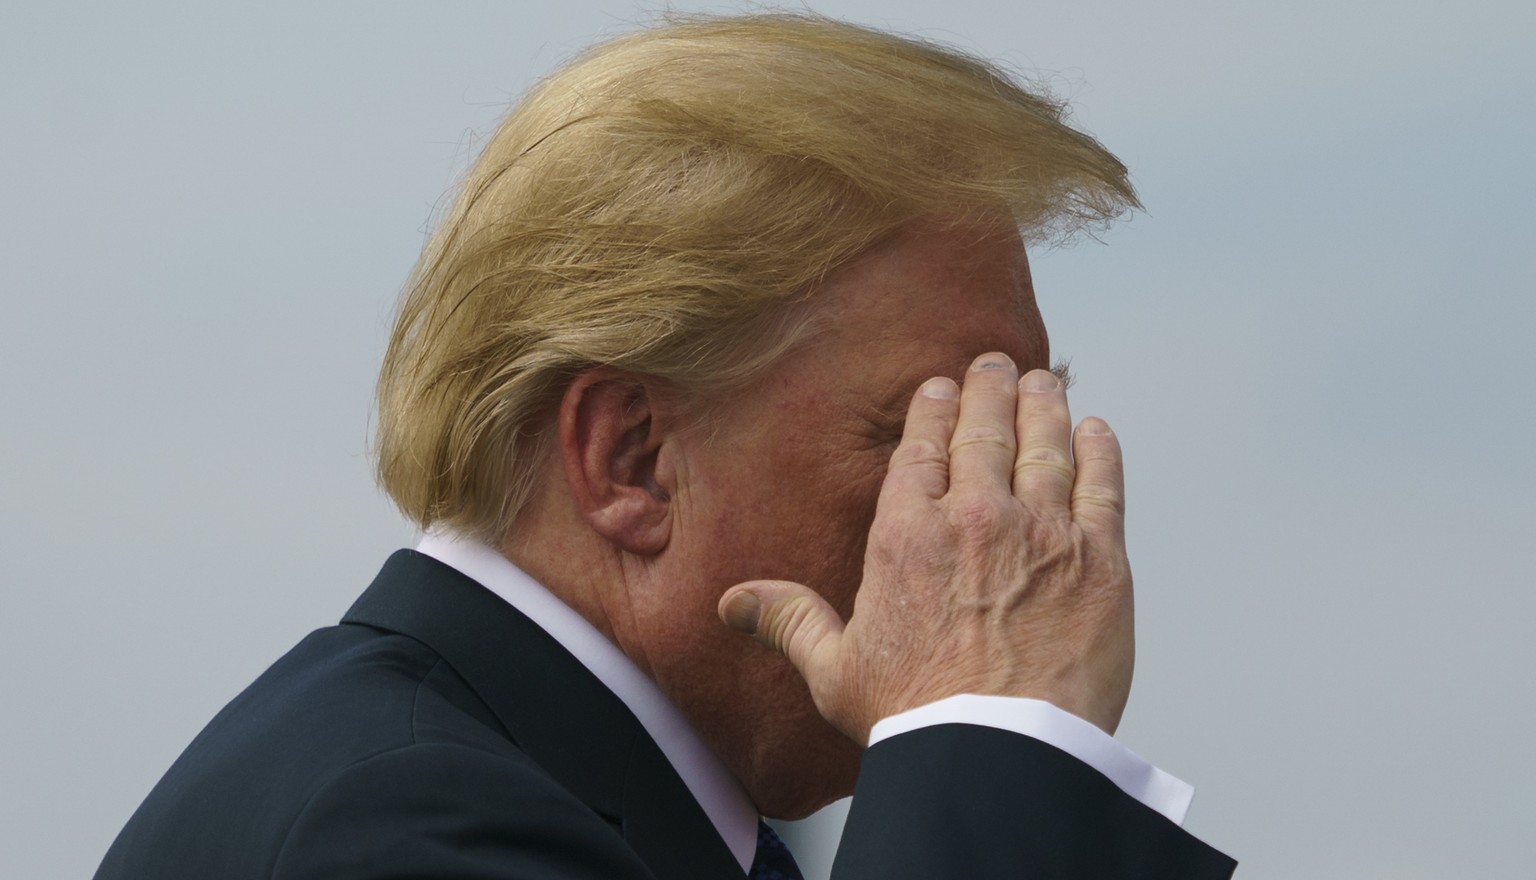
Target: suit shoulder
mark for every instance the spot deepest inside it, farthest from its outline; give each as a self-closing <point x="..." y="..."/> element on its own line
<point x="346" y="691"/>
<point x="450" y="809"/>
<point x="342" y="696"/>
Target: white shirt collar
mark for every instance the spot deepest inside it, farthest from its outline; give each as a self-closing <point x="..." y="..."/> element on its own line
<point x="719" y="793"/>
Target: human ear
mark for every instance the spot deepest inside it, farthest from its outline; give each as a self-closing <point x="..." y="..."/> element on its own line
<point x="611" y="437"/>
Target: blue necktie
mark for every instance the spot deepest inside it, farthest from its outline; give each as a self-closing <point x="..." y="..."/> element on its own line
<point x="773" y="861"/>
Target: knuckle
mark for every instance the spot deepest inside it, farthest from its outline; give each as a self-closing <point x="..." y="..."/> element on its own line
<point x="1107" y="575"/>
<point x="899" y="534"/>
<point x="793" y="624"/>
<point x="1045" y="455"/>
<point x="1044" y="461"/>
<point x="1051" y="545"/>
<point x="980" y="435"/>
<point x="1102" y="497"/>
<point x="981" y="515"/>
<point x="917" y="451"/>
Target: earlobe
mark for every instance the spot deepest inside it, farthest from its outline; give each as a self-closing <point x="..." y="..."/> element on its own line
<point x="611" y="437"/>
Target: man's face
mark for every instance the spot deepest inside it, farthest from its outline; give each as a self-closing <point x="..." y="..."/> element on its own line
<point x="782" y="485"/>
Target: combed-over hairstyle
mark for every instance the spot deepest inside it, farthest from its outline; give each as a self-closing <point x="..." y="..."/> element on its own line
<point x="660" y="205"/>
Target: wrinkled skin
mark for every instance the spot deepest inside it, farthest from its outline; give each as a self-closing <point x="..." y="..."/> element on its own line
<point x="969" y="579"/>
<point x="995" y="565"/>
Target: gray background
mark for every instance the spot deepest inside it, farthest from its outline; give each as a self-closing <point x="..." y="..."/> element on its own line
<point x="1315" y="346"/>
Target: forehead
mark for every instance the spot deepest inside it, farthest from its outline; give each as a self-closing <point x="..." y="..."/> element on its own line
<point x="935" y="297"/>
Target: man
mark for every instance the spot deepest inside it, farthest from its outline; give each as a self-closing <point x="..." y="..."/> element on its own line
<point x="731" y="321"/>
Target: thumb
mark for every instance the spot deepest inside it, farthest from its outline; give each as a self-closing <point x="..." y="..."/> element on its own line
<point x="791" y="619"/>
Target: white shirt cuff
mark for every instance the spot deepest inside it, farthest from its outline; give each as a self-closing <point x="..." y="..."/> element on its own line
<point x="1159" y="791"/>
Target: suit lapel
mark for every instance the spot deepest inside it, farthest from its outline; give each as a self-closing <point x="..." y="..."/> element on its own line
<point x="553" y="708"/>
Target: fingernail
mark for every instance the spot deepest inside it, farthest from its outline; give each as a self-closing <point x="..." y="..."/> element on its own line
<point x="1040" y="380"/>
<point x="742" y="612"/>
<point x="941" y="388"/>
<point x="1093" y="425"/>
<point x="993" y="361"/>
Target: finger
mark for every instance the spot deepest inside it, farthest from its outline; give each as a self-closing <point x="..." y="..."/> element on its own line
<point x="1043" y="472"/>
<point x="982" y="449"/>
<point x="1098" y="496"/>
<point x="791" y="619"/>
<point x="920" y="465"/>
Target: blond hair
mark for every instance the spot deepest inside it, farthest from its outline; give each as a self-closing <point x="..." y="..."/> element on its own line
<point x="660" y="205"/>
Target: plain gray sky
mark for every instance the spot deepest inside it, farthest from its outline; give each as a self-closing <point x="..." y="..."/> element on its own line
<point x="1315" y="346"/>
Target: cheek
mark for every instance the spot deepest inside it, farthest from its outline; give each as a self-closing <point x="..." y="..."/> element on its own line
<point x="801" y="498"/>
<point x="830" y="545"/>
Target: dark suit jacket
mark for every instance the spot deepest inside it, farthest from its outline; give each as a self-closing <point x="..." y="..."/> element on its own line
<point x="438" y="733"/>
